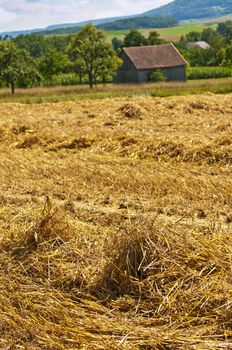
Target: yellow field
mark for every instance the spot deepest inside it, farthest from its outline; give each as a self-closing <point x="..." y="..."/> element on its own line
<point x="115" y="224"/>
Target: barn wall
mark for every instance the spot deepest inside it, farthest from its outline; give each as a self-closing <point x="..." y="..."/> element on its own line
<point x="172" y="74"/>
<point x="144" y="75"/>
<point x="126" y="77"/>
<point x="127" y="73"/>
<point x="176" y="73"/>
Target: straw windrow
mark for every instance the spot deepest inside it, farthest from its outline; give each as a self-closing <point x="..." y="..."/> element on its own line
<point x="121" y="237"/>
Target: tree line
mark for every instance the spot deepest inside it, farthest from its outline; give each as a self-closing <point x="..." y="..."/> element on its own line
<point x="220" y="51"/>
<point x="139" y="23"/>
<point x="29" y="60"/>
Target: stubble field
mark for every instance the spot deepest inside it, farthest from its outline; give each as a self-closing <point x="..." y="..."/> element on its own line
<point x="116" y="224"/>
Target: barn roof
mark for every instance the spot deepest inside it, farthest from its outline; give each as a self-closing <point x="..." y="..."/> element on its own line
<point x="202" y="44"/>
<point x="155" y="56"/>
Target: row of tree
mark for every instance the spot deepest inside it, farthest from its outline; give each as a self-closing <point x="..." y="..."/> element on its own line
<point x="136" y="38"/>
<point x="24" y="62"/>
<point x="220" y="41"/>
<point x="220" y="51"/>
<point x="28" y="59"/>
<point x="139" y="23"/>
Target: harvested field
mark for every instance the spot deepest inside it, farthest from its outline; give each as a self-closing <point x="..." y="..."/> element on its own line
<point x="116" y="224"/>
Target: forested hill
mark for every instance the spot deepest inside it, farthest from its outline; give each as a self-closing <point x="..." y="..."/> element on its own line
<point x="196" y="9"/>
<point x="122" y="24"/>
<point x="140" y="22"/>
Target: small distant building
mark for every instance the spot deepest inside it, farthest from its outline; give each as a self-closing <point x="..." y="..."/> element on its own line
<point x="140" y="61"/>
<point x="201" y="44"/>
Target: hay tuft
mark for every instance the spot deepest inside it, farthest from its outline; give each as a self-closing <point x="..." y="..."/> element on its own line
<point x="131" y="110"/>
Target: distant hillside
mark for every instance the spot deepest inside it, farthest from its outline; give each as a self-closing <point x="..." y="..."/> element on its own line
<point x="60" y="31"/>
<point x="122" y="24"/>
<point x="64" y="28"/>
<point x="14" y="34"/>
<point x="196" y="9"/>
<point x="139" y="23"/>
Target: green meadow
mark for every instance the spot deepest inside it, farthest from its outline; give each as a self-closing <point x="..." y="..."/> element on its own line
<point x="170" y="34"/>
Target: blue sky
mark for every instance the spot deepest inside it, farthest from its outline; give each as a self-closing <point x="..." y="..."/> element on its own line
<point x="25" y="14"/>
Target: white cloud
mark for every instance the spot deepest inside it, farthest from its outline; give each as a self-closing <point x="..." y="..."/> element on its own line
<point x="40" y="13"/>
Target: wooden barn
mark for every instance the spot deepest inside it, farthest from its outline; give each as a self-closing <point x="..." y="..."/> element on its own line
<point x="140" y="61"/>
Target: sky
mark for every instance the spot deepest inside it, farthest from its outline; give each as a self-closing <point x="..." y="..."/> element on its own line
<point x="28" y="14"/>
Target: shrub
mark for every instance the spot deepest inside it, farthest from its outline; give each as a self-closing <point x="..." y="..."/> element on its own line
<point x="157" y="75"/>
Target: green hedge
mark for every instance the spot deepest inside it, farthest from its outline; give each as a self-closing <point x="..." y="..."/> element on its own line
<point x="208" y="72"/>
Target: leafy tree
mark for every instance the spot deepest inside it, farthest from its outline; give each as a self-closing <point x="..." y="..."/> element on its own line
<point x="34" y="44"/>
<point x="212" y="38"/>
<point x="198" y="57"/>
<point x="53" y="63"/>
<point x="109" y="66"/>
<point x="38" y="45"/>
<point x="220" y="56"/>
<point x="228" y="56"/>
<point x="78" y="67"/>
<point x="154" y="38"/>
<point x="58" y="42"/>
<point x="134" y="38"/>
<point x="16" y="66"/>
<point x="193" y="36"/>
<point x="117" y="44"/>
<point x="225" y="30"/>
<point x="182" y="44"/>
<point x="90" y="46"/>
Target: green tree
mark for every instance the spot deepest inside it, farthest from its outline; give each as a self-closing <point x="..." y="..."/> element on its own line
<point x="154" y="38"/>
<point x="117" y="44"/>
<point x="134" y="38"/>
<point x="225" y="30"/>
<point x="193" y="36"/>
<point x="109" y="66"/>
<point x="228" y="56"/>
<point x="90" y="47"/>
<point x="198" y="57"/>
<point x="16" y="66"/>
<point x="35" y="45"/>
<point x="212" y="38"/>
<point x="78" y="67"/>
<point x="38" y="45"/>
<point x="52" y="63"/>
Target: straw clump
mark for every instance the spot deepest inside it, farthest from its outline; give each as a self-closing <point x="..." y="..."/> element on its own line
<point x="167" y="273"/>
<point x="170" y="277"/>
<point x="132" y="110"/>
